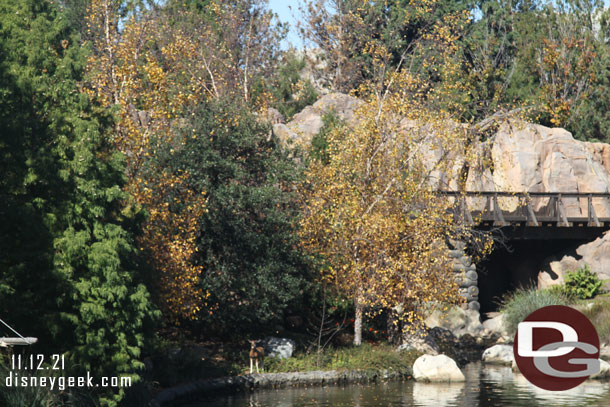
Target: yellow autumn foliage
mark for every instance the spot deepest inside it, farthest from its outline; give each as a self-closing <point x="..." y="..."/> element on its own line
<point x="371" y="209"/>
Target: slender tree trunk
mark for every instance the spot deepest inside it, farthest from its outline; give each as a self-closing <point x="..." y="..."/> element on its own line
<point x="394" y="328"/>
<point x="358" y="323"/>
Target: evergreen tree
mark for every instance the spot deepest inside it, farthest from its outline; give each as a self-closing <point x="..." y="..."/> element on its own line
<point x="67" y="263"/>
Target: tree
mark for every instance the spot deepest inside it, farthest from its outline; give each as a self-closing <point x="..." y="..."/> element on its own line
<point x="246" y="240"/>
<point x="152" y="72"/>
<point x="371" y="214"/>
<point x="350" y="34"/>
<point x="69" y="268"/>
<point x="566" y="60"/>
<point x="592" y="121"/>
<point x="370" y="208"/>
<point x="291" y="93"/>
<point x="544" y="55"/>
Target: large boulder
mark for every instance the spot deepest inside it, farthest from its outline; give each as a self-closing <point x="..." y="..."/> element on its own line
<point x="499" y="355"/>
<point x="281" y="348"/>
<point x="307" y="123"/>
<point x="457" y="320"/>
<point x="519" y="157"/>
<point x="437" y="368"/>
<point x="595" y="254"/>
<point x="496" y="325"/>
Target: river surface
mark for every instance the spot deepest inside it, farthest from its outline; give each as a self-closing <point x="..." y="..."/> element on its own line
<point x="484" y="387"/>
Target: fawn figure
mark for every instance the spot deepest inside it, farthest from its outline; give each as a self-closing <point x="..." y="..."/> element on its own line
<point x="256" y="353"/>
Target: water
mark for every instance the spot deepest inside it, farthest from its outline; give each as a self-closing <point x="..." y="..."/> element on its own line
<point x="484" y="387"/>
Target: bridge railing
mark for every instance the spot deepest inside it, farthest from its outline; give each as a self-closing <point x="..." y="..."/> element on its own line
<point x="499" y="208"/>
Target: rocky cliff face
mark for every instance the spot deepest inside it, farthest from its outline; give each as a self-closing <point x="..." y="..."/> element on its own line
<point x="534" y="158"/>
<point x="519" y="157"/>
<point x="304" y="125"/>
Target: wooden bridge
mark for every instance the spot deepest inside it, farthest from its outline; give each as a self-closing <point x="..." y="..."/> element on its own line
<point x="535" y="215"/>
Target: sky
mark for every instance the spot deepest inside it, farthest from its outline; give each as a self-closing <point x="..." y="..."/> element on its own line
<point x="283" y="9"/>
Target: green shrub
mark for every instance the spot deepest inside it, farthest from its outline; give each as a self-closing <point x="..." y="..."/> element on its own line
<point x="582" y="284"/>
<point x="518" y="305"/>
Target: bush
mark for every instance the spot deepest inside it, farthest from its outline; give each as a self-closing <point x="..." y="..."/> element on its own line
<point x="582" y="284"/>
<point x="518" y="305"/>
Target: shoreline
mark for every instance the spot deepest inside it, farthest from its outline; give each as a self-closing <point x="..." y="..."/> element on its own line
<point x="258" y="381"/>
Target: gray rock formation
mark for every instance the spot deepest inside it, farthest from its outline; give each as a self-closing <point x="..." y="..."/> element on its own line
<point x="519" y="157"/>
<point x="604" y="371"/>
<point x="496" y="325"/>
<point x="466" y="276"/>
<point x="306" y="124"/>
<point x="421" y="342"/>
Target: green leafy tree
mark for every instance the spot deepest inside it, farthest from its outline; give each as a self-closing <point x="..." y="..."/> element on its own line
<point x="68" y="266"/>
<point x="290" y="90"/>
<point x="246" y="244"/>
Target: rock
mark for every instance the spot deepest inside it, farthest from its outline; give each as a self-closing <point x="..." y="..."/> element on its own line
<point x="456" y="320"/>
<point x="463" y="350"/>
<point x="604" y="371"/>
<point x="474" y="306"/>
<point x="307" y="123"/>
<point x="420" y="342"/>
<point x="280" y="348"/>
<point x="274" y="116"/>
<point x="499" y="355"/>
<point x="496" y="325"/>
<point x="439" y="368"/>
<point x="595" y="254"/>
<point x="284" y="134"/>
<point x="604" y="352"/>
<point x="600" y="153"/>
<point x="534" y="158"/>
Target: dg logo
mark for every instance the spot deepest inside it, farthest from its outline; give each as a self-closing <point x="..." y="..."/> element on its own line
<point x="556" y="348"/>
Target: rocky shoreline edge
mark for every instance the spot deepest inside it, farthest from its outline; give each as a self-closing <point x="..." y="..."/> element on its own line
<point x="193" y="390"/>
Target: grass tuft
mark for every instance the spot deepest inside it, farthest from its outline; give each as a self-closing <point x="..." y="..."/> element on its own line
<point x="522" y="302"/>
<point x="365" y="357"/>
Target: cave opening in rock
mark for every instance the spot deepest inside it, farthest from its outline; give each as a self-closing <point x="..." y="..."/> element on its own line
<point x="517" y="266"/>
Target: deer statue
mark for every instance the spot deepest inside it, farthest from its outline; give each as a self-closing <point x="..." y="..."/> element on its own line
<point x="256" y="353"/>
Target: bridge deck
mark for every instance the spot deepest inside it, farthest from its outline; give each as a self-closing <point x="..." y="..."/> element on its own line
<point x="552" y="214"/>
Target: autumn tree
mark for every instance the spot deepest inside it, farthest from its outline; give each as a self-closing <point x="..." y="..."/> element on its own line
<point x="141" y="86"/>
<point x="566" y="60"/>
<point x="347" y="33"/>
<point x="370" y="205"/>
<point x="152" y="71"/>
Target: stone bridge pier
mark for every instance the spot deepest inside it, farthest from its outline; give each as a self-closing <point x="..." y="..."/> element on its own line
<point x="466" y="276"/>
